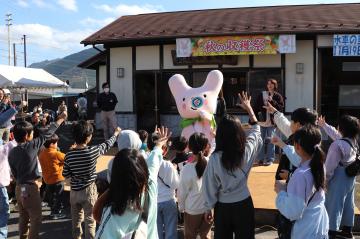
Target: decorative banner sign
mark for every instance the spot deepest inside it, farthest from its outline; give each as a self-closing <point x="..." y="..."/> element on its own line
<point x="235" y="45"/>
<point x="346" y="45"/>
<point x="203" y="60"/>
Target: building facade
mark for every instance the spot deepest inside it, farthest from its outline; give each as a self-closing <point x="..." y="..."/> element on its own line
<point x="141" y="56"/>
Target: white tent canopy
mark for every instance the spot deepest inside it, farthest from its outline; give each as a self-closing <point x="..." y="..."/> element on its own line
<point x="13" y="76"/>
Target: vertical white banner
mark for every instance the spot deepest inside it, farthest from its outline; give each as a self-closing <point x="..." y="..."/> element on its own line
<point x="287" y="44"/>
<point x="183" y="47"/>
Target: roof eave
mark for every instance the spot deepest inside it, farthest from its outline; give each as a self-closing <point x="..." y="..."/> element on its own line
<point x="159" y="38"/>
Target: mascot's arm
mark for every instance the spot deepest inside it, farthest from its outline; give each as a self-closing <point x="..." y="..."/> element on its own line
<point x="206" y="115"/>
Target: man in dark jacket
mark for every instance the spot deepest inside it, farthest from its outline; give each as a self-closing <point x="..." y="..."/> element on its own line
<point x="107" y="101"/>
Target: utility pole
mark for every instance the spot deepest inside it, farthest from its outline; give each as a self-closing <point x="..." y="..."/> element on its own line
<point x="24" y="39"/>
<point x="8" y="24"/>
<point x="14" y="48"/>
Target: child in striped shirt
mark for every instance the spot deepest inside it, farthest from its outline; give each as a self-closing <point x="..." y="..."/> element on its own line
<point x="80" y="166"/>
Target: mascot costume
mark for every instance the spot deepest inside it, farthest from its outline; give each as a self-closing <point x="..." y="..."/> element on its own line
<point x="197" y="106"/>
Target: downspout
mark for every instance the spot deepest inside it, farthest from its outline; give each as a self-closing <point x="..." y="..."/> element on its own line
<point x="97" y="72"/>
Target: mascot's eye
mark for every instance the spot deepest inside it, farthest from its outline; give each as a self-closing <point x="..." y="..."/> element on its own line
<point x="183" y="99"/>
<point x="204" y="96"/>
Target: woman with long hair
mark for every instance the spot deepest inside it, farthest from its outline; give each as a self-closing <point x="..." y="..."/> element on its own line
<point x="225" y="177"/>
<point x="190" y="198"/>
<point x="272" y="96"/>
<point x="340" y="193"/>
<point x="302" y="200"/>
<point x="132" y="193"/>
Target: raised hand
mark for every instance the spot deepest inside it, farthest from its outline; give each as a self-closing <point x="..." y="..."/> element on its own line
<point x="245" y="100"/>
<point x="22" y="104"/>
<point x="277" y="141"/>
<point x="279" y="186"/>
<point x="164" y="136"/>
<point x="270" y="108"/>
<point x="63" y="115"/>
<point x="246" y="105"/>
<point x="117" y="131"/>
<point x="321" y="121"/>
<point x="284" y="174"/>
<point x="61" y="118"/>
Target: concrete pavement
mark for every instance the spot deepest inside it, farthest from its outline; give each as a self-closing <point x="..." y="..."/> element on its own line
<point x="61" y="229"/>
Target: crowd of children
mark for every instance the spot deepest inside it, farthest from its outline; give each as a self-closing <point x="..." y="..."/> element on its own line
<point x="149" y="194"/>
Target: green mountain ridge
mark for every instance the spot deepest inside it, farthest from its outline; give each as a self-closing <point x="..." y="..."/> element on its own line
<point x="66" y="69"/>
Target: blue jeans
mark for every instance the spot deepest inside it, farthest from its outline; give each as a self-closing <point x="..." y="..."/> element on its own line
<point x="267" y="152"/>
<point x="4" y="212"/>
<point x="167" y="218"/>
<point x="339" y="200"/>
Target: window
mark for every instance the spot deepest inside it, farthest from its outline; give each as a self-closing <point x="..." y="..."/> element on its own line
<point x="257" y="80"/>
<point x="349" y="95"/>
<point x="234" y="83"/>
<point x="351" y="66"/>
<point x="253" y="81"/>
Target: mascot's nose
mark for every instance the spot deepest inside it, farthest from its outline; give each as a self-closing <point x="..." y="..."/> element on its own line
<point x="197" y="102"/>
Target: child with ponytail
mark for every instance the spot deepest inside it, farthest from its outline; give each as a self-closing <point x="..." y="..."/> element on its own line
<point x="340" y="187"/>
<point x="190" y="197"/>
<point x="302" y="200"/>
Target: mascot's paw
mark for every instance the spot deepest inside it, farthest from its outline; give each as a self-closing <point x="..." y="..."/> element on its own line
<point x="205" y="115"/>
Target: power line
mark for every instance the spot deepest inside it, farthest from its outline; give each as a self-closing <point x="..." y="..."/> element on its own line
<point x="11" y="39"/>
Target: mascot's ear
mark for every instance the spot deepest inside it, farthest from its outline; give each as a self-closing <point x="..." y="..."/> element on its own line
<point x="178" y="84"/>
<point x="214" y="81"/>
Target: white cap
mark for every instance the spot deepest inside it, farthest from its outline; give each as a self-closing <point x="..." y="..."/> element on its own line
<point x="6" y="91"/>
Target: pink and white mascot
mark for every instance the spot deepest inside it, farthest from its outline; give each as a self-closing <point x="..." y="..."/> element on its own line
<point x="197" y="106"/>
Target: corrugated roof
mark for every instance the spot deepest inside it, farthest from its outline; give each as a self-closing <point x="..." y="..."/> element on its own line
<point x="321" y="18"/>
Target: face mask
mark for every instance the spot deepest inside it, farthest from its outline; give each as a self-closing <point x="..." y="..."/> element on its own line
<point x="106" y="90"/>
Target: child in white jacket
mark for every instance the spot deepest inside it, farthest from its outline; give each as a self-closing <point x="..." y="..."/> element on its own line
<point x="190" y="197"/>
<point x="167" y="215"/>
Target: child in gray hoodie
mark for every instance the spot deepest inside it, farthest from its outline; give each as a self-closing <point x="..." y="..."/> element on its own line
<point x="225" y="178"/>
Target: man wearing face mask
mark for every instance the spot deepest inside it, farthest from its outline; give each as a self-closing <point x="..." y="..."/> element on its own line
<point x="106" y="102"/>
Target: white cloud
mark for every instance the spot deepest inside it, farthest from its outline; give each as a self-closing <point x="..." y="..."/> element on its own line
<point x="68" y="4"/>
<point x="41" y="3"/>
<point x="47" y="37"/>
<point x="92" y="22"/>
<point x="123" y="9"/>
<point x="22" y="3"/>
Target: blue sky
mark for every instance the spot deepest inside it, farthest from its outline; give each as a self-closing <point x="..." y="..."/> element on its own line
<point x="54" y="28"/>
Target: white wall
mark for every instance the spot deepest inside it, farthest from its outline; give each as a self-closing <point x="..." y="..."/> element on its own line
<point x="324" y="40"/>
<point x="300" y="88"/>
<point x="102" y="76"/>
<point x="168" y="61"/>
<point x="267" y="60"/>
<point x="122" y="58"/>
<point x="147" y="57"/>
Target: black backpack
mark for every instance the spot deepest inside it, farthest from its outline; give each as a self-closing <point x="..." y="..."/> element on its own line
<point x="353" y="169"/>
